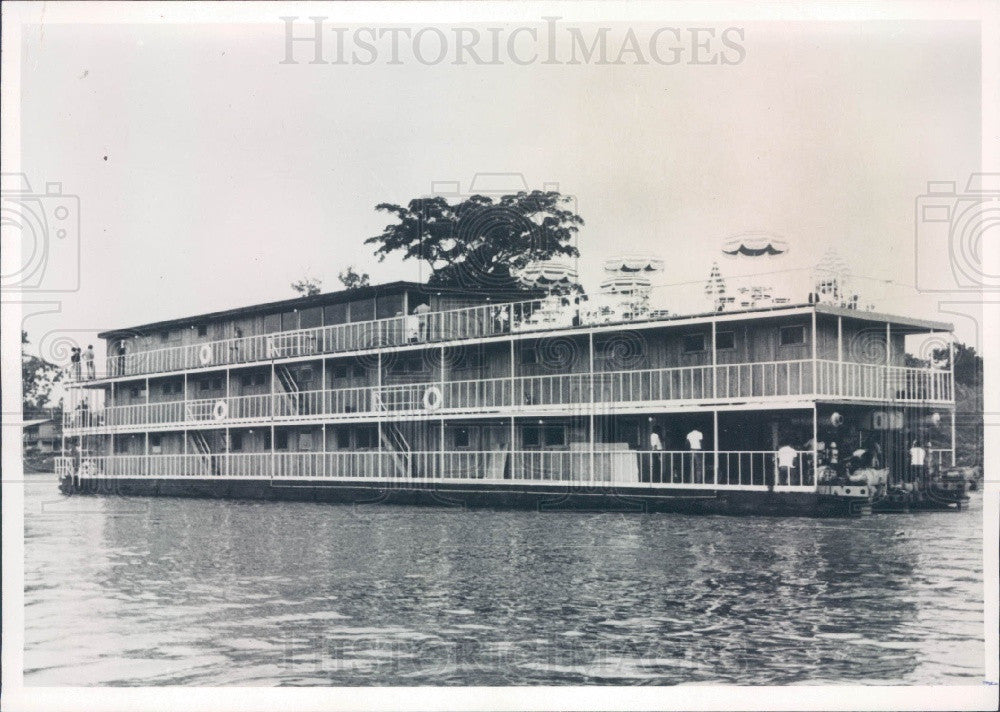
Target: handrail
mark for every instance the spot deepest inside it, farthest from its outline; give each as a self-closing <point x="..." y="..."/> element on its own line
<point x="763" y="379"/>
<point x="678" y="469"/>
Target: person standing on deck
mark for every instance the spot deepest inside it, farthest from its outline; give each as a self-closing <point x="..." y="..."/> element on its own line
<point x="918" y="460"/>
<point x="786" y="463"/>
<point x="694" y="439"/>
<point x="656" y="458"/>
<point x="121" y="357"/>
<point x="74" y="362"/>
<point x="88" y="358"/>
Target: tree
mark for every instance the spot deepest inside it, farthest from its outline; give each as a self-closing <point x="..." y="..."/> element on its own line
<point x="38" y="379"/>
<point x="968" y="402"/>
<point x="351" y="279"/>
<point x="308" y="286"/>
<point x="480" y="241"/>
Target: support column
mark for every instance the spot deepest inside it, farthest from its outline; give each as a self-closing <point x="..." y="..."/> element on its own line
<point x="377" y="404"/>
<point x="951" y="375"/>
<point x="815" y="364"/>
<point x="815" y="448"/>
<point x="441" y="387"/>
<point x="715" y="432"/>
<point x="888" y="360"/>
<point x="715" y="363"/>
<point x="512" y="394"/>
<point x="592" y="404"/>
<point x="840" y="356"/>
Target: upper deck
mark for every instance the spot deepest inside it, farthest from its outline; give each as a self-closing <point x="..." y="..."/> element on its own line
<point x="257" y="333"/>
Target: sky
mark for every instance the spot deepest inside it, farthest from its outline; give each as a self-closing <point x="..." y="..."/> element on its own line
<point x="210" y="175"/>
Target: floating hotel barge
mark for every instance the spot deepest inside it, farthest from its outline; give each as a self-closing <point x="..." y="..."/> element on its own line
<point x="399" y="393"/>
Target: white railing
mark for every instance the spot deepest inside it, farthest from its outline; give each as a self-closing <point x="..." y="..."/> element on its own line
<point x="433" y="327"/>
<point x="777" y="379"/>
<point x="880" y="382"/>
<point x="661" y="469"/>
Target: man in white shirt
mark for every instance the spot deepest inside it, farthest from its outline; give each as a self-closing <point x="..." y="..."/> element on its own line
<point x="786" y="462"/>
<point x="918" y="460"/>
<point x="694" y="439"/>
<point x="655" y="458"/>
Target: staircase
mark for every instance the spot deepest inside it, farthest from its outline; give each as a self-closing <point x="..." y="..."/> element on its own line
<point x="203" y="449"/>
<point x="394" y="442"/>
<point x="289" y="390"/>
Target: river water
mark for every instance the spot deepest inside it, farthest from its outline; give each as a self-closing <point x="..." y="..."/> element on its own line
<point x="158" y="591"/>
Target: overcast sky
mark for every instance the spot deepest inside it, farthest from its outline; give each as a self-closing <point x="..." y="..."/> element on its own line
<point x="210" y="175"/>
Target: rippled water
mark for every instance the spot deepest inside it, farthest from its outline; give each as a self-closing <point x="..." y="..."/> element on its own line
<point x="202" y="592"/>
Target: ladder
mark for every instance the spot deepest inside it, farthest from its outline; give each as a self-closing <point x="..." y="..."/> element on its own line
<point x="395" y="442"/>
<point x="289" y="389"/>
<point x="204" y="450"/>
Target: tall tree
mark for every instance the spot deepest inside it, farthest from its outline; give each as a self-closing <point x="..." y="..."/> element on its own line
<point x="480" y="241"/>
<point x="38" y="378"/>
<point x="351" y="279"/>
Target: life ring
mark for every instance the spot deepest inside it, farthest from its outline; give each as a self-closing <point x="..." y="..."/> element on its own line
<point x="205" y="354"/>
<point x="221" y="410"/>
<point x="432" y="398"/>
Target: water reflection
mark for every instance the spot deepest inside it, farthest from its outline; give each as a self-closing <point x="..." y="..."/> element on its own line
<point x="185" y="592"/>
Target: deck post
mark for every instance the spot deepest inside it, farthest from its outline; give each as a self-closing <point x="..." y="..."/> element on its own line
<point x="715" y="363"/>
<point x="815" y="447"/>
<point x="512" y="394"/>
<point x="888" y="359"/>
<point x="840" y="355"/>
<point x="815" y="364"/>
<point x="590" y="341"/>
<point x="377" y="402"/>
<point x="440" y="467"/>
<point x="715" y="433"/>
<point x="951" y="378"/>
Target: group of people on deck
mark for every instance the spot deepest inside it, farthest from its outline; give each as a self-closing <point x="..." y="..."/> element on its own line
<point x="79" y="359"/>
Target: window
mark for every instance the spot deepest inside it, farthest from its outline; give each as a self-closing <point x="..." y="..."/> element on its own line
<point x="343" y="436"/>
<point x="363" y="310"/>
<point x="792" y="335"/>
<point x="334" y="314"/>
<point x="360" y="372"/>
<point x="289" y="321"/>
<point x="389" y="306"/>
<point x="529" y="355"/>
<point x="304" y="376"/>
<point x="340" y="371"/>
<point x="368" y="436"/>
<point x="725" y="340"/>
<point x="167" y="389"/>
<point x="134" y="392"/>
<point x="694" y="343"/>
<point x="532" y="436"/>
<point x="305" y="442"/>
<point x="202" y="330"/>
<point x="461" y="437"/>
<point x="204" y="384"/>
<point x="156" y="443"/>
<point x="267" y="439"/>
<point x="246" y="380"/>
<point x="412" y="364"/>
<point x="272" y="323"/>
<point x="259" y="379"/>
<point x="281" y="440"/>
<point x="235" y="442"/>
<point x="217" y="383"/>
<point x="165" y="335"/>
<point x="310" y="318"/>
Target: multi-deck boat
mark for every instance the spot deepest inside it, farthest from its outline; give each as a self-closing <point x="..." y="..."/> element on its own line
<point x="404" y="393"/>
